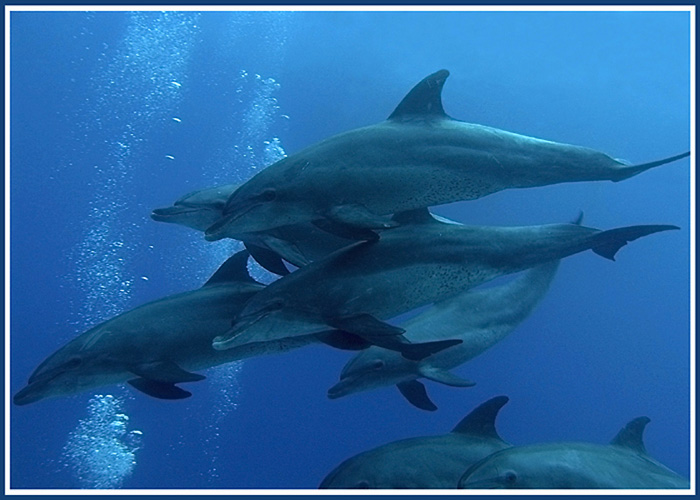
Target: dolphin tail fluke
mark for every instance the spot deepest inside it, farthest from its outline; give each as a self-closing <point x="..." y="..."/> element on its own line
<point x="632" y="170"/>
<point x="416" y="352"/>
<point x="444" y="377"/>
<point x="415" y="393"/>
<point x="607" y="243"/>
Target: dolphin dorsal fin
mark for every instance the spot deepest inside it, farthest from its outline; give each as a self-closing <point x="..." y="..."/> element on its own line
<point x="425" y="99"/>
<point x="234" y="269"/>
<point x="632" y="435"/>
<point x="482" y="420"/>
<point x="416" y="216"/>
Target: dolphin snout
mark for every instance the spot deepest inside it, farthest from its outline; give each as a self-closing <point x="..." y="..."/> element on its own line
<point x="27" y="395"/>
<point x="165" y="214"/>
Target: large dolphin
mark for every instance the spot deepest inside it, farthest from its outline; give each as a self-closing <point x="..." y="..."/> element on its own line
<point x="424" y="462"/>
<point x="624" y="464"/>
<point x="156" y="345"/>
<point x="480" y="318"/>
<point x="298" y="244"/>
<point x="358" y="287"/>
<point x="418" y="157"/>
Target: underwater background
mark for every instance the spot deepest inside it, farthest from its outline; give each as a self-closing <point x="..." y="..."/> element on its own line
<point x="116" y="113"/>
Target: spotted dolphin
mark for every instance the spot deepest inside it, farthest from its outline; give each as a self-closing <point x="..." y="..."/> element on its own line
<point x="623" y="464"/>
<point x="356" y="289"/>
<point x="298" y="244"/>
<point x="480" y="318"/>
<point x="156" y="345"/>
<point x="424" y="462"/>
<point x="419" y="157"/>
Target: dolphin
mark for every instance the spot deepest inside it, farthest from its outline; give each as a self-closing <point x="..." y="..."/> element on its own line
<point x="623" y="464"/>
<point x="298" y="244"/>
<point x="424" y="462"/>
<point x="157" y="345"/>
<point x="357" y="288"/>
<point x="419" y="157"/>
<point x="480" y="318"/>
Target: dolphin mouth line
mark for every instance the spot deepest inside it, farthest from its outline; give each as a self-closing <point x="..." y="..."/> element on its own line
<point x="161" y="214"/>
<point x="236" y="330"/>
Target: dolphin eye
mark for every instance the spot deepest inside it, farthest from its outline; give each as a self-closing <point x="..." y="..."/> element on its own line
<point x="510" y="477"/>
<point x="377" y="364"/>
<point x="74" y="363"/>
<point x="268" y="195"/>
<point x="276" y="305"/>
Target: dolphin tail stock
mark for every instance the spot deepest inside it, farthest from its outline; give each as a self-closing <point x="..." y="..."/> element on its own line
<point x="607" y="243"/>
<point x="630" y="171"/>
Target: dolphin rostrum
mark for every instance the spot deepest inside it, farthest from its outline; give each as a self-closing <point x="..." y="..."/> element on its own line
<point x="624" y="464"/>
<point x="298" y="244"/>
<point x="156" y="345"/>
<point x="418" y="157"/>
<point x="480" y="318"/>
<point x="356" y="289"/>
<point x="424" y="462"/>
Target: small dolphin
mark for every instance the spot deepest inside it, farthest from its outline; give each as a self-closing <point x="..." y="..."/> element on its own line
<point x="357" y="288"/>
<point x="624" y="464"/>
<point x="424" y="462"/>
<point x="480" y="318"/>
<point x="156" y="345"/>
<point x="419" y="157"/>
<point x="298" y="244"/>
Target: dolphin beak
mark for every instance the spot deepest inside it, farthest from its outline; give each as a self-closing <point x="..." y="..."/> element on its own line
<point x="216" y="232"/>
<point x="165" y="214"/>
<point x="235" y="336"/>
<point x="27" y="395"/>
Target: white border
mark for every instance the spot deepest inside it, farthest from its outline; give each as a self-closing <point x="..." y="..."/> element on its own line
<point x="350" y="8"/>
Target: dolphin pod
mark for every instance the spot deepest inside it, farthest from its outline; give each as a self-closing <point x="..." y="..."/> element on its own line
<point x="424" y="462"/>
<point x="480" y="318"/>
<point x="624" y="463"/>
<point x="346" y="225"/>
<point x="419" y="157"/>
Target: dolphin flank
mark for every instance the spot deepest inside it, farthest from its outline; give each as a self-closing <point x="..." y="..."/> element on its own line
<point x="356" y="289"/>
<point x="419" y="157"/>
<point x="624" y="464"/>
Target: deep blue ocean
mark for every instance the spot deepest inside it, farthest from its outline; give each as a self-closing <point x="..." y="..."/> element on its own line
<point x="114" y="114"/>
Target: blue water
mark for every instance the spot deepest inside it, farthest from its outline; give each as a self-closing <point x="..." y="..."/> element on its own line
<point x="95" y="147"/>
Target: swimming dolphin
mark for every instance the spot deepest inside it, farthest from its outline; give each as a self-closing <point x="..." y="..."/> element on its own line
<point x="357" y="288"/>
<point x="481" y="318"/>
<point x="624" y="464"/>
<point x="156" y="345"/>
<point x="424" y="462"/>
<point x="418" y="157"/>
<point x="298" y="244"/>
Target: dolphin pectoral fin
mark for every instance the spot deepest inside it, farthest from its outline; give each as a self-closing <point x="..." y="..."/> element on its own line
<point x="632" y="170"/>
<point x="342" y="340"/>
<point x="607" y="243"/>
<point x="158" y="389"/>
<point x="413" y="352"/>
<point x="444" y="377"/>
<point x="267" y="259"/>
<point x="164" y="371"/>
<point x="415" y="393"/>
<point x="344" y="231"/>
<point x="287" y="250"/>
<point x="365" y="325"/>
